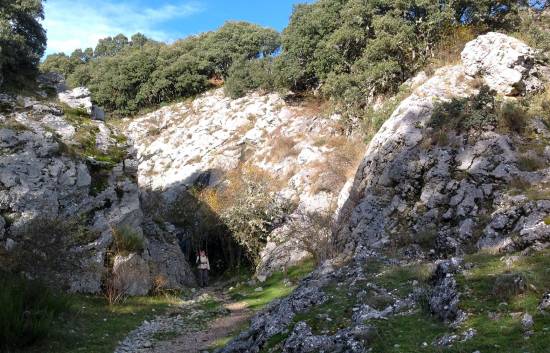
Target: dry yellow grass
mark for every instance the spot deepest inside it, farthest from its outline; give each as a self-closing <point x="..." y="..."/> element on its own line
<point x="339" y="165"/>
<point x="282" y="147"/>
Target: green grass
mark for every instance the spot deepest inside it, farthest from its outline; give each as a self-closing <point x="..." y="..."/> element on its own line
<point x="406" y="334"/>
<point x="498" y="325"/>
<point x="273" y="288"/>
<point x="12" y="124"/>
<point x="85" y="139"/>
<point x="27" y="310"/>
<point x="332" y="315"/>
<point x="92" y="326"/>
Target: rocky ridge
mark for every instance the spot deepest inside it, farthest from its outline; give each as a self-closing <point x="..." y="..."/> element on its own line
<point x="419" y="198"/>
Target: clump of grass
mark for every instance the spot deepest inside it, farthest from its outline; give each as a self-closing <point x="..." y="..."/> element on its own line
<point x="530" y="163"/>
<point x="283" y="147"/>
<point x="127" y="240"/>
<point x="512" y="117"/>
<point x="27" y="311"/>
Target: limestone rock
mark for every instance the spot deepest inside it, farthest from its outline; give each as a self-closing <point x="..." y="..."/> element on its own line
<point x="504" y="63"/>
<point x="131" y="274"/>
<point x="168" y="264"/>
<point x="77" y="98"/>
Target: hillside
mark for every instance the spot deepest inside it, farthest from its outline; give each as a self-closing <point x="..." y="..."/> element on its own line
<point x="445" y="230"/>
<point x="374" y="178"/>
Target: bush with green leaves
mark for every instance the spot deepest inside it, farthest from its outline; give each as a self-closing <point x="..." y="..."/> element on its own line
<point x="354" y="49"/>
<point x="245" y="76"/>
<point x="27" y="311"/>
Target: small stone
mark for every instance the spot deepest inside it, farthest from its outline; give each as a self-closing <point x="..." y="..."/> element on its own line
<point x="259" y="289"/>
<point x="527" y="322"/>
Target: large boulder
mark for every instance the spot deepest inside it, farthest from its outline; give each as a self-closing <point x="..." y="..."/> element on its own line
<point x="505" y="63"/>
<point x="80" y="98"/>
<point x="77" y="98"/>
<point x="131" y="274"/>
<point x="168" y="266"/>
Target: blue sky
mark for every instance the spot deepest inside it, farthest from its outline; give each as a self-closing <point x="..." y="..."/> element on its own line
<point x="75" y="24"/>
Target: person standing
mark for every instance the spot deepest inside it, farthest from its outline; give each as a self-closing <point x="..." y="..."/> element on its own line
<point x="204" y="267"/>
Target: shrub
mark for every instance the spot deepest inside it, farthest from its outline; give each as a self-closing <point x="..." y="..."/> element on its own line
<point x="128" y="240"/>
<point x="512" y="117"/>
<point x="50" y="237"/>
<point x="27" y="311"/>
<point x="250" y="209"/>
<point x="470" y="114"/>
<point x="247" y="75"/>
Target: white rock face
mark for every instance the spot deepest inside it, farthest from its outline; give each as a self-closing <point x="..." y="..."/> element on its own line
<point x="80" y="97"/>
<point x="39" y="180"/>
<point x="181" y="144"/>
<point x="504" y="63"/>
<point x="77" y="98"/>
<point x="408" y="185"/>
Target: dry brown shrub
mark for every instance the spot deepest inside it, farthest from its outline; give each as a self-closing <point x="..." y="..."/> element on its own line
<point x="477" y="83"/>
<point x="115" y="289"/>
<point x="283" y="147"/>
<point x="160" y="283"/>
<point x="448" y="51"/>
<point x="312" y="232"/>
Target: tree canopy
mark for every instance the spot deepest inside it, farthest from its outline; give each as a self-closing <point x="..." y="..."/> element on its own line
<point x="347" y="50"/>
<point x="126" y="75"/>
<point x="22" y="40"/>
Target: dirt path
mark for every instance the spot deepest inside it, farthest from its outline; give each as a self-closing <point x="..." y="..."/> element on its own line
<point x="199" y="341"/>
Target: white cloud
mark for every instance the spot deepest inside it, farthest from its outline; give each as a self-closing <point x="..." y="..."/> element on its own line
<point x="72" y="24"/>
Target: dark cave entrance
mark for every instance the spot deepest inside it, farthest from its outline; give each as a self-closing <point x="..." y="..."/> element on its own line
<point x="224" y="254"/>
<point x="199" y="227"/>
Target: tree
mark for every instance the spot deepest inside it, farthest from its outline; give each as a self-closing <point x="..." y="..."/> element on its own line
<point x="59" y="63"/>
<point x="22" y="40"/>
<point x="138" y="40"/>
<point x="110" y="46"/>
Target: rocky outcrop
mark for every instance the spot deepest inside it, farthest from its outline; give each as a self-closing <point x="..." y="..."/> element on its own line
<point x="80" y="98"/>
<point x="62" y="196"/>
<point x="409" y="184"/>
<point x="426" y="199"/>
<point x="506" y="64"/>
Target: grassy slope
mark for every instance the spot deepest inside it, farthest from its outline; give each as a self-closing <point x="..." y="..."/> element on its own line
<point x="496" y="319"/>
<point x="92" y="326"/>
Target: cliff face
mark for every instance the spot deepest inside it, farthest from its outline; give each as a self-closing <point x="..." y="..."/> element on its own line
<point x="430" y="187"/>
<point x="66" y="187"/>
<point x="412" y="184"/>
